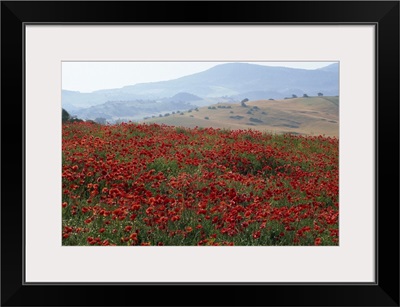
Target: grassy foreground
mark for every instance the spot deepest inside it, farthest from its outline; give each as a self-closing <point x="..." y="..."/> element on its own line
<point x="140" y="184"/>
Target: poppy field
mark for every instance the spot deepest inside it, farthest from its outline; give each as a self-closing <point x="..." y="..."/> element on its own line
<point x="147" y="184"/>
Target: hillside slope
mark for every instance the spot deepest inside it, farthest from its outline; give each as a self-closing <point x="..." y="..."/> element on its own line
<point x="309" y="116"/>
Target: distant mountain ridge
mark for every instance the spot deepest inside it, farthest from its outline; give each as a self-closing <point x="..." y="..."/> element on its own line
<point x="231" y="81"/>
<point x="185" y="97"/>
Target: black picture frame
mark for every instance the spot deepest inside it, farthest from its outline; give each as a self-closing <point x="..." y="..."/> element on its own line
<point x="383" y="14"/>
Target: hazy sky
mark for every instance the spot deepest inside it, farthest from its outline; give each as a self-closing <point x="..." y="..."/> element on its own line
<point x="92" y="76"/>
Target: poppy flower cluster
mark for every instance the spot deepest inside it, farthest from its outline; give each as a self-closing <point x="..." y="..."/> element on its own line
<point x="149" y="184"/>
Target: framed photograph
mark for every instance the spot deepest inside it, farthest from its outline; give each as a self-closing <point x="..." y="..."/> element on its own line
<point x="151" y="149"/>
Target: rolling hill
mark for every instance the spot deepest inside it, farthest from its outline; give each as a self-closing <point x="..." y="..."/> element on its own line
<point x="309" y="116"/>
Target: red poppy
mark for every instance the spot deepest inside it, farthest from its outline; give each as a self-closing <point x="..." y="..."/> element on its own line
<point x="256" y="234"/>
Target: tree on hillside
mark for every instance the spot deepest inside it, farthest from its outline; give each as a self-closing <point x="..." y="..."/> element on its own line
<point x="65" y="116"/>
<point x="294" y="96"/>
<point x="74" y="119"/>
<point x="305" y="95"/>
<point x="320" y="94"/>
<point x="243" y="102"/>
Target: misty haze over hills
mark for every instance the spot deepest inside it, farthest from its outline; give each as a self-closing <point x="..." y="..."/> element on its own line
<point x="229" y="82"/>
